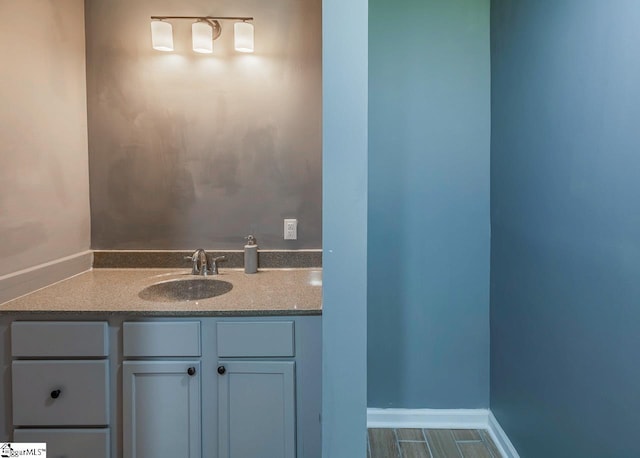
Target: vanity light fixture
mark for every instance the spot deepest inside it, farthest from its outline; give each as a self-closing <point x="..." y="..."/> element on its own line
<point x="243" y="36"/>
<point x="162" y="36"/>
<point x="204" y="31"/>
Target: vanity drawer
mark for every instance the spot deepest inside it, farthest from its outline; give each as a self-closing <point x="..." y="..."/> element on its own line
<point x="56" y="339"/>
<point x="68" y="443"/>
<point x="163" y="338"/>
<point x="255" y="339"/>
<point x="81" y="388"/>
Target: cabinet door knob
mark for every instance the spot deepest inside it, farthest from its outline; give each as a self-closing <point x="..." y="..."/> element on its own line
<point x="221" y="370"/>
<point x="191" y="371"/>
<point x="55" y="394"/>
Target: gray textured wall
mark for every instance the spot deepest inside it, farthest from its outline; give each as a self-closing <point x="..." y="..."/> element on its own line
<point x="44" y="189"/>
<point x="189" y="150"/>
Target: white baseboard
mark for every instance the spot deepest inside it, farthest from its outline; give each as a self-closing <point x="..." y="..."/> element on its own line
<point x="428" y="418"/>
<point x="443" y="419"/>
<point x="501" y="439"/>
<point x="25" y="281"/>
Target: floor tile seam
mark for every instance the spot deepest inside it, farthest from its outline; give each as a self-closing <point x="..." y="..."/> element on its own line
<point x="424" y="434"/>
<point x="395" y="434"/>
<point x="455" y="442"/>
<point x="484" y="437"/>
<point x="484" y="440"/>
<point x="487" y="449"/>
<point x="467" y="432"/>
<point x="408" y="440"/>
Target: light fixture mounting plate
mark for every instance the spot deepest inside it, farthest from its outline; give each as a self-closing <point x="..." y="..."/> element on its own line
<point x="215" y="25"/>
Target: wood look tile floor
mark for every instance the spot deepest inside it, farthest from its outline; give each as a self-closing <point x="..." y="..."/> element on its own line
<point x="430" y="443"/>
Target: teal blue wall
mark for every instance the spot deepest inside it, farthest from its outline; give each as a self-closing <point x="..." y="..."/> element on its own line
<point x="344" y="230"/>
<point x="565" y="214"/>
<point x="428" y="247"/>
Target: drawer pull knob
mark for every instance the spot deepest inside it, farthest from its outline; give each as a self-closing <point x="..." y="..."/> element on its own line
<point x="221" y="370"/>
<point x="55" y="394"/>
<point x="191" y="371"/>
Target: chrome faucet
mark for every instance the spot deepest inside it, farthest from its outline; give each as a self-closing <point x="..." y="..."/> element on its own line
<point x="199" y="260"/>
<point x="203" y="264"/>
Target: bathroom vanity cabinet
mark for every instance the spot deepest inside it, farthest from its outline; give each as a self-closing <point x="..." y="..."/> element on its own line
<point x="145" y="386"/>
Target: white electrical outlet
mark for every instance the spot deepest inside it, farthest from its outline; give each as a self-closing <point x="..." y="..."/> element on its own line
<point x="291" y="229"/>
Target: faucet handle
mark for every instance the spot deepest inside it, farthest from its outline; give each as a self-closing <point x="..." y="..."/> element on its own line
<point x="213" y="264"/>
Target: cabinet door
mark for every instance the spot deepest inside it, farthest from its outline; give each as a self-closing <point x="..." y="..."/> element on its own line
<point x="161" y="409"/>
<point x="256" y="416"/>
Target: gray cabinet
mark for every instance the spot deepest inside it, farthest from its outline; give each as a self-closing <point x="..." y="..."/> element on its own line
<point x="123" y="389"/>
<point x="142" y="339"/>
<point x="258" y="386"/>
<point x="161" y="409"/>
<point x="239" y="339"/>
<point x="59" y="339"/>
<point x="256" y="409"/>
<point x="60" y="383"/>
<point x="162" y="399"/>
<point x="60" y="393"/>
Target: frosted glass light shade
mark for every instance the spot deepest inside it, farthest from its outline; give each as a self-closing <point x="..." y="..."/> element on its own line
<point x="202" y="37"/>
<point x="161" y="36"/>
<point x="243" y="35"/>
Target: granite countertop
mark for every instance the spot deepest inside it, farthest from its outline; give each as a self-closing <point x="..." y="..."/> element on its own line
<point x="115" y="291"/>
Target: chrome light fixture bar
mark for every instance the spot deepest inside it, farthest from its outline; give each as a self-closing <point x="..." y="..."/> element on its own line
<point x="204" y="31"/>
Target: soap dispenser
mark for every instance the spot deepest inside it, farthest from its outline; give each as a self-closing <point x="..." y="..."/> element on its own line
<point x="250" y="255"/>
